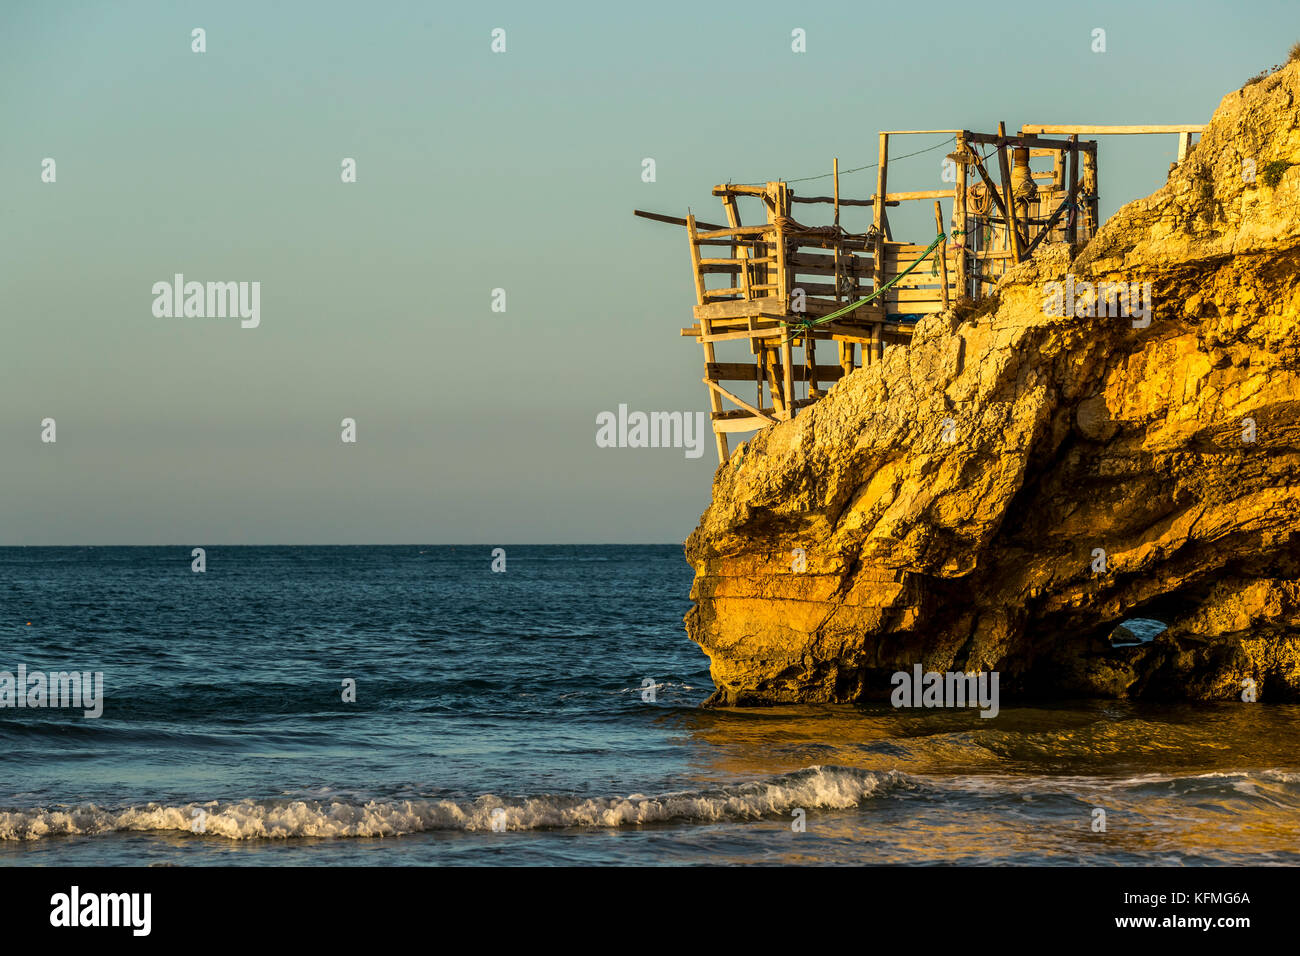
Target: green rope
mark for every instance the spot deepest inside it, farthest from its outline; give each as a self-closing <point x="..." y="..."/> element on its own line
<point x="809" y="323"/>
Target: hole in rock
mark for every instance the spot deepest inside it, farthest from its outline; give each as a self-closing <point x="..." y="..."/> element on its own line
<point x="1135" y="631"/>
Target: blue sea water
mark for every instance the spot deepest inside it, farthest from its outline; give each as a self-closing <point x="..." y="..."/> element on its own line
<point x="503" y="718"/>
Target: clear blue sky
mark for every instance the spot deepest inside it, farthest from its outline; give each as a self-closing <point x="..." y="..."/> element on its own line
<point x="476" y="171"/>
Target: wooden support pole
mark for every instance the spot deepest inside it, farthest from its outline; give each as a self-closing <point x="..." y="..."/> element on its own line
<point x="1094" y="190"/>
<point x="943" y="253"/>
<point x="714" y="386"/>
<point x="1072" y="224"/>
<point x="810" y="364"/>
<point x="835" y="167"/>
<point x="878" y="211"/>
<point x="787" y="362"/>
<point x="959" y="220"/>
<point x="1008" y="199"/>
<point x="706" y="329"/>
<point x="778" y="208"/>
<point x="773" y="382"/>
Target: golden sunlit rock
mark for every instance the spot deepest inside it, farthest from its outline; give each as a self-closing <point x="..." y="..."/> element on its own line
<point x="1008" y="489"/>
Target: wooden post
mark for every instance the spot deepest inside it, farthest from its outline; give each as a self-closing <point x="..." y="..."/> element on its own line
<point x="773" y="383"/>
<point x="706" y="329"/>
<point x="787" y="369"/>
<point x="835" y="166"/>
<point x="878" y="209"/>
<point x="1072" y="224"/>
<point x="810" y="363"/>
<point x="1090" y="183"/>
<point x="1184" y="143"/>
<point x="943" y="253"/>
<point x="882" y="225"/>
<point x="810" y="347"/>
<point x="959" y="221"/>
<point x="1009" y="200"/>
<point x="778" y="208"/>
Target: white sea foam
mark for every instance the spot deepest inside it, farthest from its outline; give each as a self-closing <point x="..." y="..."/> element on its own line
<point x="811" y="788"/>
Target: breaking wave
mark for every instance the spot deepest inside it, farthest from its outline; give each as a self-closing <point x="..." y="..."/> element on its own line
<point x="284" y="818"/>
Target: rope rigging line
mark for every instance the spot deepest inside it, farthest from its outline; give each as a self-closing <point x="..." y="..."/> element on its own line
<point x="858" y="169"/>
<point x="809" y="323"/>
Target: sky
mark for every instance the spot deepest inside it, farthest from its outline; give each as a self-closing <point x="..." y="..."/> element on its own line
<point x="475" y="170"/>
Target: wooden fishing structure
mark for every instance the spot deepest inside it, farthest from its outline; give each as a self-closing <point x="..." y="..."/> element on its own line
<point x="780" y="285"/>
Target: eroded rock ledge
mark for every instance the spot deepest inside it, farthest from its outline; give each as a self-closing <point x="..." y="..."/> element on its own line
<point x="1071" y="434"/>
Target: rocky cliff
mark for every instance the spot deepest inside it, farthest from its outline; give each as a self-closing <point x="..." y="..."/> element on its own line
<point x="1011" y="487"/>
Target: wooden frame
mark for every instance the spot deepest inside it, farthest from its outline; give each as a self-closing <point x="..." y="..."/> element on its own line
<point x="782" y="279"/>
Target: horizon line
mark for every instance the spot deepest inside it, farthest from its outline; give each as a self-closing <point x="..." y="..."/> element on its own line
<point x="390" y="544"/>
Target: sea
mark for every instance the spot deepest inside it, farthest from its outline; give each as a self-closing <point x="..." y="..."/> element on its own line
<point x="410" y="705"/>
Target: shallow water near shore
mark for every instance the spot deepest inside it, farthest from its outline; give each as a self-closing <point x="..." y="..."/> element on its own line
<point x="516" y="700"/>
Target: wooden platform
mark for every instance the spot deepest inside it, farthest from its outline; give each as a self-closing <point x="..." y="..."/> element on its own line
<point x="769" y="288"/>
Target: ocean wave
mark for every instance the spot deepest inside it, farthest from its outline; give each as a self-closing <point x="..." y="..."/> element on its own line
<point x="813" y="788"/>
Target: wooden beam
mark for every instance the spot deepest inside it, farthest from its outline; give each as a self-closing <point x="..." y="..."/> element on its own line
<point x="744" y="372"/>
<point x="812" y="263"/>
<point x="1033" y="142"/>
<point x="735" y="189"/>
<point x="843" y="202"/>
<point x="741" y="334"/>
<point x="742" y="415"/>
<point x="739" y="401"/>
<point x="723" y="425"/>
<point x="1110" y="130"/>
<point x="922" y="194"/>
<point x="673" y="220"/>
<point x="726" y="233"/>
<point x="769" y="307"/>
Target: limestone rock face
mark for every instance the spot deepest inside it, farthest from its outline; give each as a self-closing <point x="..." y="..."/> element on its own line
<point x="953" y="504"/>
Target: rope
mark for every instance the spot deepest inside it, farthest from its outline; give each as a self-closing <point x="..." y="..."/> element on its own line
<point x="809" y="323"/>
<point x="858" y="169"/>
